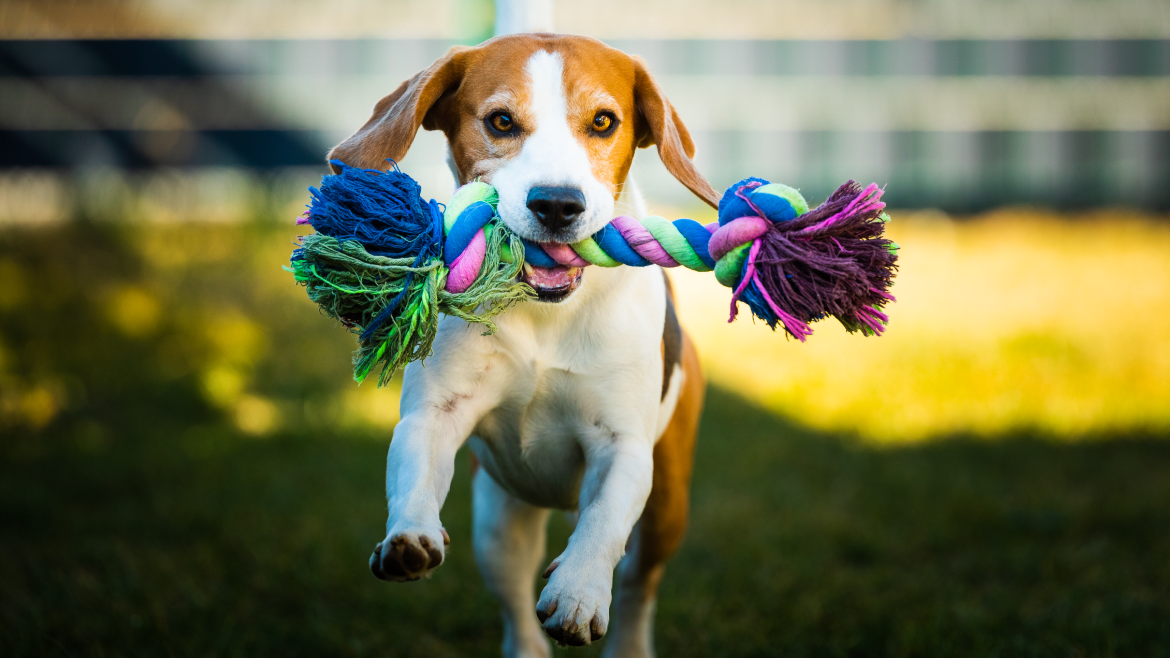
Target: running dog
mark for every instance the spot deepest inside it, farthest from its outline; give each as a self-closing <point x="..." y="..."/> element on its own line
<point x="587" y="400"/>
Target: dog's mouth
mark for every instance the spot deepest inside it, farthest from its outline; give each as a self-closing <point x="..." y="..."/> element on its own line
<point x="552" y="284"/>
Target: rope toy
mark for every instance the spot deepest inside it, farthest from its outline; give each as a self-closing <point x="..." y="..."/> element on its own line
<point x="386" y="263"/>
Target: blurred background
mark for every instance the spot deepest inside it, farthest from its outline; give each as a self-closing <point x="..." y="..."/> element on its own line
<point x="188" y="468"/>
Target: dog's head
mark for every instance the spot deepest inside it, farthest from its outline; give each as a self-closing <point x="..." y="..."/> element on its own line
<point x="551" y="121"/>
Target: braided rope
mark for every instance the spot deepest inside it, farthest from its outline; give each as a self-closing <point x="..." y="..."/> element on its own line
<point x="624" y="241"/>
<point x="731" y="247"/>
<point x="386" y="263"/>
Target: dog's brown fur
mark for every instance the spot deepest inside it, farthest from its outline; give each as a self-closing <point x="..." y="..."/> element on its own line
<point x="453" y="93"/>
<point x="664" y="520"/>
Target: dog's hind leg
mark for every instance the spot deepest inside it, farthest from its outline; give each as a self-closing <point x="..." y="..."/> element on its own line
<point x="664" y="520"/>
<point x="509" y="539"/>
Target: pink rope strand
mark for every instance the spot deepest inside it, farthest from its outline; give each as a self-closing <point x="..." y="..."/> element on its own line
<point x="563" y="254"/>
<point x="791" y="324"/>
<point x="748" y="276"/>
<point x="869" y="199"/>
<point x="642" y="242"/>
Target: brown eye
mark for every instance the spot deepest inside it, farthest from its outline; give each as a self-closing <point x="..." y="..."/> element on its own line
<point x="501" y="122"/>
<point x="602" y="122"/>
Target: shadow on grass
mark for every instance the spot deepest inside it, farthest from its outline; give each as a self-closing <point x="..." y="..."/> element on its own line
<point x="202" y="542"/>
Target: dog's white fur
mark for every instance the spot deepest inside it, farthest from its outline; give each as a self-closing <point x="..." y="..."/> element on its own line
<point x="552" y="157"/>
<point x="562" y="408"/>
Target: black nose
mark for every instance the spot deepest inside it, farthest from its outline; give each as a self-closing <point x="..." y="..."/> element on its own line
<point x="556" y="207"/>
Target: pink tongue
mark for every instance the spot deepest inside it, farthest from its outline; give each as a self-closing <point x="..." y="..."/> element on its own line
<point x="549" y="277"/>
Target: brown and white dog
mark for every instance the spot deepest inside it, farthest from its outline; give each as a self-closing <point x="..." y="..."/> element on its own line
<point x="590" y="404"/>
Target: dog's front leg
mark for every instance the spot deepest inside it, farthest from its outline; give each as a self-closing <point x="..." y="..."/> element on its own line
<point x="574" y="606"/>
<point x="441" y="404"/>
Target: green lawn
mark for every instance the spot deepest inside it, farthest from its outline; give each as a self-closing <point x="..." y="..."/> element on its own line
<point x="201" y="542"/>
<point x="185" y="469"/>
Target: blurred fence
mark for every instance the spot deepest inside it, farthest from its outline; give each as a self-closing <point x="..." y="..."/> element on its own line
<point x="959" y="124"/>
<point x="224" y="109"/>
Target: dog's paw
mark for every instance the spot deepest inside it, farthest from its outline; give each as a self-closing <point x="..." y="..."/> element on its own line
<point x="405" y="555"/>
<point x="574" y="607"/>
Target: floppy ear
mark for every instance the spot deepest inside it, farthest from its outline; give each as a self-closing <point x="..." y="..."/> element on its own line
<point x="397" y="117"/>
<point x="661" y="125"/>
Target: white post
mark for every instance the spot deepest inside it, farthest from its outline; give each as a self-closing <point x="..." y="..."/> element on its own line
<point x="514" y="16"/>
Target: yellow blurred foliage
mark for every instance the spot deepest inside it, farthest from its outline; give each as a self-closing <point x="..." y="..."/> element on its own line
<point x="256" y="416"/>
<point x="1015" y="320"/>
<point x="133" y="311"/>
<point x="222" y="385"/>
<point x="30" y="404"/>
<point x="368" y="406"/>
<point x="235" y="338"/>
<point x="12" y="285"/>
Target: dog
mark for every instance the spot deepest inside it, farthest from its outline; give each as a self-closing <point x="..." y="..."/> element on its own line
<point x="586" y="400"/>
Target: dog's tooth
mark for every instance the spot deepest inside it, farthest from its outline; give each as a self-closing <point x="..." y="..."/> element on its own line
<point x="528" y="269"/>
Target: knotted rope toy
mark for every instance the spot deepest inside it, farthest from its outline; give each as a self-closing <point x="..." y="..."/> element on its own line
<point x="386" y="263"/>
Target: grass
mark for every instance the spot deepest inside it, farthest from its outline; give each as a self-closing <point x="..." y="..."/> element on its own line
<point x="200" y="541"/>
<point x="1016" y="320"/>
<point x="186" y="468"/>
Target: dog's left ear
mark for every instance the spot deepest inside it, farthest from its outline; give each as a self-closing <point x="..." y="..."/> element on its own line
<point x="661" y="125"/>
<point x="397" y="117"/>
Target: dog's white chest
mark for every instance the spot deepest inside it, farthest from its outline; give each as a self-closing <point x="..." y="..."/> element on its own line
<point x="533" y="444"/>
<point x="572" y="384"/>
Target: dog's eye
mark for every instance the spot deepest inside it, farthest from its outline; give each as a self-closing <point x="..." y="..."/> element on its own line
<point x="501" y="122"/>
<point x="602" y="122"/>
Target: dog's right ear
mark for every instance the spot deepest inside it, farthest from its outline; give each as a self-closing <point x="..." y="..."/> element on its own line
<point x="397" y="117"/>
<point x="661" y="125"/>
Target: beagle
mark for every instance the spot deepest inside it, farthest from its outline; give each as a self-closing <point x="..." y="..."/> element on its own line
<point x="586" y="400"/>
